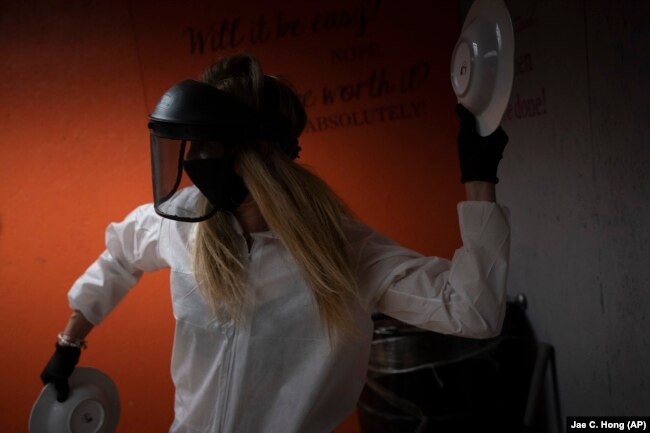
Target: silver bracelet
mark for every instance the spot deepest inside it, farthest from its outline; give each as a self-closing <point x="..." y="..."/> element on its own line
<point x="66" y="341"/>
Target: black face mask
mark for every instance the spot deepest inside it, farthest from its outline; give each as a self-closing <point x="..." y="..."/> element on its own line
<point x="217" y="180"/>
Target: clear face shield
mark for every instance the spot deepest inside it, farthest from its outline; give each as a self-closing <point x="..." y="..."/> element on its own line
<point x="194" y="131"/>
<point x="175" y="195"/>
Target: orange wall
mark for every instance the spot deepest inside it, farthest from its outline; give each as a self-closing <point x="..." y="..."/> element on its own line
<point x="77" y="82"/>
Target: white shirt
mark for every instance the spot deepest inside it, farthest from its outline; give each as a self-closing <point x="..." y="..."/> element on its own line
<point x="276" y="372"/>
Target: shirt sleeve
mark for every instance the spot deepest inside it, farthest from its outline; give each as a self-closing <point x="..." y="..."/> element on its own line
<point x="132" y="248"/>
<point x="465" y="296"/>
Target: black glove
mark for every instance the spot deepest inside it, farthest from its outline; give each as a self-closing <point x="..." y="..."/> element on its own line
<point x="59" y="369"/>
<point x="479" y="156"/>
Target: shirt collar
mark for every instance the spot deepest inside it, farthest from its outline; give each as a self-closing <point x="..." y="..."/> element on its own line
<point x="238" y="229"/>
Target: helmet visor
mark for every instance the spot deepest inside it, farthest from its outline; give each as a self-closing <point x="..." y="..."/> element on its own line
<point x="175" y="196"/>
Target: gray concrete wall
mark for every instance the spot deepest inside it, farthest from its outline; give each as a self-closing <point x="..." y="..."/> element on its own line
<point x="575" y="176"/>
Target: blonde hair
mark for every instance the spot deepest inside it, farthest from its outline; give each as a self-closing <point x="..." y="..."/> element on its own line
<point x="296" y="204"/>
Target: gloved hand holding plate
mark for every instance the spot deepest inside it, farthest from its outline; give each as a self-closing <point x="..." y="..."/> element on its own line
<point x="93" y="406"/>
<point x="482" y="64"/>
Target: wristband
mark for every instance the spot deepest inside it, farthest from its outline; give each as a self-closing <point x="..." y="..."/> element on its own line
<point x="66" y="341"/>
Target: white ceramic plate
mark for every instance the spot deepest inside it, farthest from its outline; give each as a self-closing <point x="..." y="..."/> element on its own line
<point x="93" y="406"/>
<point x="482" y="64"/>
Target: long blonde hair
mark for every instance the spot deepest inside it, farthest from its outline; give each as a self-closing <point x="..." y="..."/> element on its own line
<point x="296" y="204"/>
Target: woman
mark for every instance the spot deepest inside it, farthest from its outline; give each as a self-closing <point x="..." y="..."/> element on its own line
<point x="273" y="282"/>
